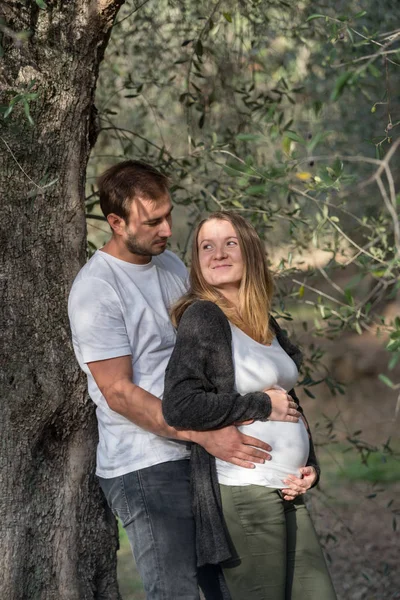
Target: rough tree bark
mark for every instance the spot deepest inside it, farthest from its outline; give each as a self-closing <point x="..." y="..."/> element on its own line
<point x="58" y="541"/>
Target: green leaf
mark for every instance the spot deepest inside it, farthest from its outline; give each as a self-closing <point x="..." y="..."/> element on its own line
<point x="235" y="169"/>
<point x="337" y="167"/>
<point x="350" y="34"/>
<point x="41" y="4"/>
<point x="286" y="145"/>
<point x="199" y="48"/>
<point x="317" y="107"/>
<point x="360" y="14"/>
<point x="386" y="380"/>
<point x="375" y="72"/>
<point x="292" y="135"/>
<point x="349" y="296"/>
<point x="254" y="190"/>
<point x="237" y="203"/>
<point x="27" y="113"/>
<point x="315" y="16"/>
<point x="228" y="16"/>
<point x="340" y="84"/>
<point x="8" y="111"/>
<point x="315" y="140"/>
<point x="393" y="346"/>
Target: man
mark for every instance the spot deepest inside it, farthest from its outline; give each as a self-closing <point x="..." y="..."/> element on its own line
<point x="123" y="338"/>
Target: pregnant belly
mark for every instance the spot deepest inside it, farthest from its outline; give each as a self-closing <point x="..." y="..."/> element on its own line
<point x="289" y="441"/>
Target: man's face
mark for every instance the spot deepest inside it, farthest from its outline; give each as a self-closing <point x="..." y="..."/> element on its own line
<point x="149" y="226"/>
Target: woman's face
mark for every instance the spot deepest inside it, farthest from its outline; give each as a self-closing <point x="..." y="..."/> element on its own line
<point x="220" y="257"/>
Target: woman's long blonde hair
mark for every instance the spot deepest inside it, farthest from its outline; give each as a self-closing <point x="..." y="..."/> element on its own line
<point x="256" y="287"/>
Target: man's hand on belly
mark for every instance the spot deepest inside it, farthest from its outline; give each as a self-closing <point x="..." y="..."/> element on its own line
<point x="231" y="445"/>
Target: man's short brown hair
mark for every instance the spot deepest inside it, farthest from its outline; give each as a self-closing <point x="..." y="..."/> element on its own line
<point x="122" y="183"/>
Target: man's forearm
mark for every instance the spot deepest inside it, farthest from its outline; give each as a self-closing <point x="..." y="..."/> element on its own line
<point x="144" y="409"/>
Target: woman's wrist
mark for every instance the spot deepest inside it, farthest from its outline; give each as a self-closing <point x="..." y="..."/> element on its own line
<point x="269" y="404"/>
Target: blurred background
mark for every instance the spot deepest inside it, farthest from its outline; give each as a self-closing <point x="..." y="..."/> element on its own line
<point x="288" y="113"/>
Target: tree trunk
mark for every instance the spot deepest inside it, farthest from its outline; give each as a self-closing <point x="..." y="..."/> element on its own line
<point x="58" y="540"/>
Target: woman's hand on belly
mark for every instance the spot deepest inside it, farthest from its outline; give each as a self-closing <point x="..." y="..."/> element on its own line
<point x="295" y="486"/>
<point x="283" y="406"/>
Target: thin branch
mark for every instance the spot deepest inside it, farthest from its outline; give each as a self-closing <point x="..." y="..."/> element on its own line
<point x="131" y="13"/>
<point x="353" y="258"/>
<point x="319" y="292"/>
<point x="216" y="7"/>
<point x="331" y="282"/>
<point x="392" y="211"/>
<point x="39" y="187"/>
<point x="369" y="57"/>
<point x="335" y="226"/>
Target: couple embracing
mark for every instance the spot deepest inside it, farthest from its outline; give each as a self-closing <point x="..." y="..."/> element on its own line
<point x="204" y="452"/>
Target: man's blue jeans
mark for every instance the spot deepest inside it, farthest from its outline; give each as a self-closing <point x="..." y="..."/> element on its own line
<point x="154" y="506"/>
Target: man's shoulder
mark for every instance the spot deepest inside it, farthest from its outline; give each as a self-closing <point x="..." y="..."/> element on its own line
<point x="168" y="261"/>
<point x="94" y="276"/>
<point x="96" y="266"/>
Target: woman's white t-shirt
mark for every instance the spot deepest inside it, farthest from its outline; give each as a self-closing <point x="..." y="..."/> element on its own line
<point x="258" y="367"/>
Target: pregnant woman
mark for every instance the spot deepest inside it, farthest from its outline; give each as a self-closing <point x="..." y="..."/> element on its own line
<point x="233" y="365"/>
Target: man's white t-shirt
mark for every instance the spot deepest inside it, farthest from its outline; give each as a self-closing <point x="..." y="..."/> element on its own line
<point x="116" y="309"/>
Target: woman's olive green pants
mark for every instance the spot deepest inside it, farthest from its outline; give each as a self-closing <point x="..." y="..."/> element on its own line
<point x="276" y="552"/>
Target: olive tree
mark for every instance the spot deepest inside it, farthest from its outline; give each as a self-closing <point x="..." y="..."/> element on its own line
<point x="57" y="538"/>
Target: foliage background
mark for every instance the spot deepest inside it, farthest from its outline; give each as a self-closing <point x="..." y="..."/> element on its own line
<point x="289" y="114"/>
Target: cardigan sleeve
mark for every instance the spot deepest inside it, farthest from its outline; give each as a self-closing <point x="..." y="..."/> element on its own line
<point x="312" y="458"/>
<point x="199" y="382"/>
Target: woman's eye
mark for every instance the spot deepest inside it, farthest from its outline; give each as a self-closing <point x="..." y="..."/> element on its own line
<point x="232" y="243"/>
<point x="206" y="246"/>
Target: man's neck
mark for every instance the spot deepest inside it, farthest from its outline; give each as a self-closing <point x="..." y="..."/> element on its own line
<point x="118" y="250"/>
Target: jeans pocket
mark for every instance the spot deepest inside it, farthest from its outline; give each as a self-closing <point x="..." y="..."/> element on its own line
<point x="114" y="491"/>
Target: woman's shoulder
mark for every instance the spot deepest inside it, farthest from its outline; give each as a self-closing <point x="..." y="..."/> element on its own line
<point x="204" y="313"/>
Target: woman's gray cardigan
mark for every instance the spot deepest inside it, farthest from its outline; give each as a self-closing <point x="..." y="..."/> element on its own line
<point x="199" y="395"/>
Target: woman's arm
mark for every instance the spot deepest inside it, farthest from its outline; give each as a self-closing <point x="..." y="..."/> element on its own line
<point x="200" y="366"/>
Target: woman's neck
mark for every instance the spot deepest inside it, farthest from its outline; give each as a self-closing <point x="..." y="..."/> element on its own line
<point x="232" y="295"/>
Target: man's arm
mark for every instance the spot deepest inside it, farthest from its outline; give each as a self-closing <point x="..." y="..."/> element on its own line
<point x="114" y="378"/>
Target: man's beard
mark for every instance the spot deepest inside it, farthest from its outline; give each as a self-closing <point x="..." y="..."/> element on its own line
<point x="136" y="247"/>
